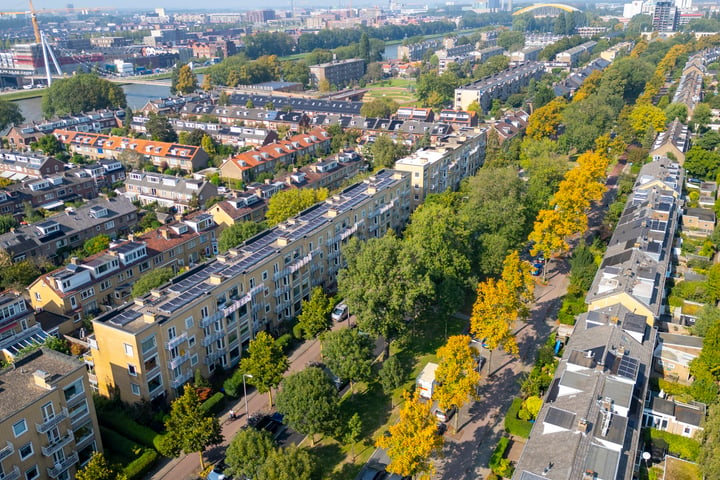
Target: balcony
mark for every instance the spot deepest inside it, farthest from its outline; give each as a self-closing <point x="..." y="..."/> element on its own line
<point x="213" y="357"/>
<point x="52" y="422"/>
<point x="59" y="468"/>
<point x="176" y="341"/>
<point x="59" y="443"/>
<point x="213" y="337"/>
<point x="6" y="451"/>
<point x="79" y="415"/>
<point x="181" y="380"/>
<point x="177" y="361"/>
<point x="209" y="320"/>
<point x="13" y="474"/>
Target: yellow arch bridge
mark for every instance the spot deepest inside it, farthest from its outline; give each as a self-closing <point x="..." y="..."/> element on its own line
<point x="560" y="6"/>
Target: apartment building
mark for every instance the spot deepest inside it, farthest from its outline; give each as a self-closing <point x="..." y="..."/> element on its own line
<point x="328" y="173"/>
<point x="21" y="165"/>
<point x="499" y="86"/>
<point x="338" y="72"/>
<point x="416" y="51"/>
<point x="47" y="193"/>
<point x="444" y="165"/>
<point x="67" y="231"/>
<point x="18" y="326"/>
<point x="664" y="17"/>
<point x="204" y="318"/>
<point x="247" y="165"/>
<point x="239" y="136"/>
<point x="48" y="424"/>
<point x="187" y="158"/>
<point x="105" y="280"/>
<point x="572" y="56"/>
<point x="178" y="193"/>
<point x="637" y="261"/>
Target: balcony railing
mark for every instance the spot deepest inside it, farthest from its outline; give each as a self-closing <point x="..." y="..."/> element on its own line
<point x="209" y="320"/>
<point x="13" y="474"/>
<point x="6" y="451"/>
<point x="177" y="361"/>
<point x="79" y="415"/>
<point x="181" y="380"/>
<point x="52" y="422"/>
<point x="59" y="468"/>
<point x="176" y="341"/>
<point x="213" y="337"/>
<point x="53" y="447"/>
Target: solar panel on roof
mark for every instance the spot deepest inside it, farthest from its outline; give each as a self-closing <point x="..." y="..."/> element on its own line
<point x="628" y="367"/>
<point x="126" y="317"/>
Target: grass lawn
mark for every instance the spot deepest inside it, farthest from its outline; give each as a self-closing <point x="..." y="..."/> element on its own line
<point x="681" y="470"/>
<point x="398" y="89"/>
<point x="23" y="94"/>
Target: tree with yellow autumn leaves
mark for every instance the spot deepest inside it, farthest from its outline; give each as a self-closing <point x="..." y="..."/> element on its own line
<point x="413" y="440"/>
<point x="456" y="374"/>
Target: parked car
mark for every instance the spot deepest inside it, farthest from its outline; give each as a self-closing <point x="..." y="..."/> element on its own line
<point x="340" y="312"/>
<point x="217" y="472"/>
<point x="372" y="473"/>
<point x="444" y="415"/>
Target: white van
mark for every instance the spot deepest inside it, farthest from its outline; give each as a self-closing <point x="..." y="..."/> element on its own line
<point x="340" y="312"/>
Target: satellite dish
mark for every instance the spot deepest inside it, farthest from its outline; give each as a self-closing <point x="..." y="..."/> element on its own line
<point x="646" y="456"/>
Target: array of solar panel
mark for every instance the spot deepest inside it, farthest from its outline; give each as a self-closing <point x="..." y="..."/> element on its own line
<point x="628" y="367"/>
<point x="125" y="317"/>
<point x="178" y="302"/>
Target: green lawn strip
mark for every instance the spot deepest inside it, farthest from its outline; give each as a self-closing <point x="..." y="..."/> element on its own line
<point x="23" y="95"/>
<point x="514" y="425"/>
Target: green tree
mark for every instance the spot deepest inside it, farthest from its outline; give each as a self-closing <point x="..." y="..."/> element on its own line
<point x="7" y="222"/>
<point x="290" y="202"/>
<point x="189" y="427"/>
<point x="309" y="401"/>
<point x="379" y="108"/>
<point x="9" y="113"/>
<point x="265" y="361"/>
<point x="384" y="151"/>
<point x="247" y="452"/>
<point x="237" y="233"/>
<point x="348" y="354"/>
<point x="364" y="47"/>
<point x="208" y="144"/>
<point x="393" y="375"/>
<point x="58" y="344"/>
<point x="291" y="463"/>
<point x="48" y="144"/>
<point x="707" y="317"/>
<point x="82" y="92"/>
<point x="709" y="458"/>
<point x="98" y="468"/>
<point x="152" y="279"/>
<point x="702" y="164"/>
<point x="353" y="430"/>
<point x="701" y="115"/>
<point x="315" y="315"/>
<point x="380" y="285"/>
<point x="159" y="128"/>
<point x="676" y="110"/>
<point x="96" y="244"/>
<point x="511" y="40"/>
<point x="207" y="84"/>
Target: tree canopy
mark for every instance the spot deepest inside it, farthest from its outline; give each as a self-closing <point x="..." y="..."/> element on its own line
<point x="456" y="374"/>
<point x="237" y="233"/>
<point x="379" y="108"/>
<point x="96" y="244"/>
<point x="315" y="315"/>
<point x="189" y="427"/>
<point x="309" y="401"/>
<point x="83" y="92"/>
<point x="98" y="468"/>
<point x="290" y="202"/>
<point x="152" y="279"/>
<point x="288" y="463"/>
<point x="348" y="354"/>
<point x="159" y="128"/>
<point x="185" y="81"/>
<point x="248" y="451"/>
<point x="265" y="361"/>
<point x="9" y="113"/>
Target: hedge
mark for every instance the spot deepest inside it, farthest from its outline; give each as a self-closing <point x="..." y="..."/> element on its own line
<point x="498" y="464"/>
<point x="141" y="465"/>
<point x="124" y="425"/>
<point x="515" y="426"/>
<point x="119" y="445"/>
<point x="685" y="448"/>
<point x="213" y="404"/>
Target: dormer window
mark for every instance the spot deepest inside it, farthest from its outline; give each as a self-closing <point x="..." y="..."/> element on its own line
<point x="98" y="212"/>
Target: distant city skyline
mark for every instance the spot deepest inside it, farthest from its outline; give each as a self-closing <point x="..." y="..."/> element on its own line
<point x="173" y="5"/>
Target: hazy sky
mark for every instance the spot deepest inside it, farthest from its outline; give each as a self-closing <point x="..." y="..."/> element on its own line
<point x="215" y="5"/>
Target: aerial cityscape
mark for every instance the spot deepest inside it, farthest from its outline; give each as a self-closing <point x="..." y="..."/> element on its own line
<point x="360" y="241"/>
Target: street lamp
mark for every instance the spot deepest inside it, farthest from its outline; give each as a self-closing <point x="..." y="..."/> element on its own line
<point x="247" y="412"/>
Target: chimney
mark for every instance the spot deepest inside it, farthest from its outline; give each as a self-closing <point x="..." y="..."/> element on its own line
<point x="583" y="425"/>
<point x="41" y="379"/>
<point x="165" y="234"/>
<point x="149" y="317"/>
<point x="74" y="260"/>
<point x="267" y="181"/>
<point x="131" y="237"/>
